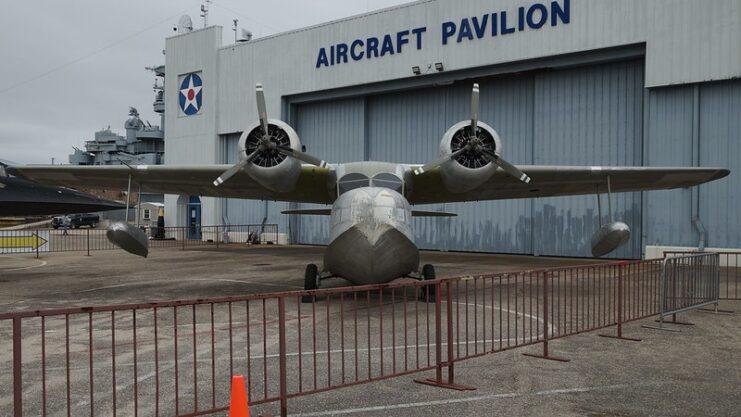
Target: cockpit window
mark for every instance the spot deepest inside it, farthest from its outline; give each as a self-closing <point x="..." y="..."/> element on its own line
<point x="387" y="180"/>
<point x="352" y="181"/>
<point x="382" y="180"/>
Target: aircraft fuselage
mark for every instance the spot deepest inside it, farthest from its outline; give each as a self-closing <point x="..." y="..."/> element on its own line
<point x="371" y="236"/>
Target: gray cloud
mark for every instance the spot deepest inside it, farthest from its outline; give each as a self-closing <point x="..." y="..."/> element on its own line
<point x="106" y="46"/>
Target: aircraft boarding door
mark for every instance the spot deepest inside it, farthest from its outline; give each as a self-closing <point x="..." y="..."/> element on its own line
<point x="194" y="218"/>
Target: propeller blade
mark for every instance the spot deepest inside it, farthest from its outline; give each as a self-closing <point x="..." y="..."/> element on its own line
<point x="262" y="110"/>
<point x="474" y="109"/>
<point x="234" y="169"/>
<point x="302" y="156"/>
<point x="434" y="164"/>
<point x="507" y="167"/>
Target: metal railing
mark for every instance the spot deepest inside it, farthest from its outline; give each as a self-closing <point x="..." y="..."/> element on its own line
<point x="89" y="240"/>
<point x="688" y="282"/>
<point x="729" y="264"/>
<point x="176" y="358"/>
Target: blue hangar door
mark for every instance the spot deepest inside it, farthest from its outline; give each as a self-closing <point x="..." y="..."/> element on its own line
<point x="590" y="115"/>
<point x="194" y="218"/>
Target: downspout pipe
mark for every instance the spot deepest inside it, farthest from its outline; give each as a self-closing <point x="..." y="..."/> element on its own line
<point x="696" y="222"/>
<point x="701" y="230"/>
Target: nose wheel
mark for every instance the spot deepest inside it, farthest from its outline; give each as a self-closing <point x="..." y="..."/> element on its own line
<point x="427" y="293"/>
<point x="311" y="282"/>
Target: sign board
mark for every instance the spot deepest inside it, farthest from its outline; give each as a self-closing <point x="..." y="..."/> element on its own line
<point x="487" y="25"/>
<point x="24" y="241"/>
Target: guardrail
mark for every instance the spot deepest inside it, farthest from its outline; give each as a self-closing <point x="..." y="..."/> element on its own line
<point x="729" y="264"/>
<point x="176" y="358"/>
<point x="89" y="240"/>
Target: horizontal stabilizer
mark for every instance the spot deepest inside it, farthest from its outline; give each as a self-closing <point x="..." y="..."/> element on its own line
<point x="419" y="213"/>
<point x="309" y="212"/>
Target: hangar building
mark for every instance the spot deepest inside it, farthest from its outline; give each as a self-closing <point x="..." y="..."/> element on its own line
<point x="569" y="82"/>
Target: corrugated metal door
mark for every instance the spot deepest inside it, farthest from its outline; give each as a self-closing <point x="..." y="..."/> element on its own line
<point x="720" y="146"/>
<point x="584" y="116"/>
<point x="333" y="131"/>
<point x="587" y="116"/>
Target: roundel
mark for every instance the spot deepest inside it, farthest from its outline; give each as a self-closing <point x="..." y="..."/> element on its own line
<point x="191" y="96"/>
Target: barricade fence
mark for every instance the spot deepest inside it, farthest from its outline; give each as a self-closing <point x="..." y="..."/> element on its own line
<point x="177" y="358"/>
<point x="729" y="264"/>
<point x="89" y="239"/>
<point x="689" y="282"/>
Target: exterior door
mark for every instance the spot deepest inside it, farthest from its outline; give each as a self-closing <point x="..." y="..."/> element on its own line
<point x="194" y="218"/>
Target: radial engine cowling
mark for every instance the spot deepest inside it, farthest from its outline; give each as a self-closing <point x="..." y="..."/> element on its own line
<point x="469" y="169"/>
<point x="270" y="168"/>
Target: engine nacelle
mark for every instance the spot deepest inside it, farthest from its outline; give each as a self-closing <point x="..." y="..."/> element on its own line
<point x="468" y="170"/>
<point x="270" y="168"/>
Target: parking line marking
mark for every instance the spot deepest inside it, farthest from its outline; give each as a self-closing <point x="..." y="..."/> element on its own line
<point x="468" y="400"/>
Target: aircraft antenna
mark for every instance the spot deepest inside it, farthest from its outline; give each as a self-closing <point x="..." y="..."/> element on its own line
<point x="204" y="12"/>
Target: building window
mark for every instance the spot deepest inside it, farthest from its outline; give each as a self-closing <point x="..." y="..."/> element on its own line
<point x="147" y="214"/>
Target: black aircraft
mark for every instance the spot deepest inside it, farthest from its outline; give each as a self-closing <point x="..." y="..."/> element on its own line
<point x="20" y="197"/>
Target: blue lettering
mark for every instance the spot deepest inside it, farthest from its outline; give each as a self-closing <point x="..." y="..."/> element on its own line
<point x="449" y="29"/>
<point x="402" y="38"/>
<point x="505" y="29"/>
<point x="480" y="28"/>
<point x="388" y="46"/>
<point x="331" y="55"/>
<point x="465" y="31"/>
<point x="521" y="19"/>
<point x="357" y="56"/>
<point x="321" y="60"/>
<point x="418" y="33"/>
<point x="557" y="12"/>
<point x="342" y="53"/>
<point x="537" y="24"/>
<point x="494" y="24"/>
<point x="372" y="46"/>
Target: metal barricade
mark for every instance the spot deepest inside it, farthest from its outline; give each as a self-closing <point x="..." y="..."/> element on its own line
<point x="688" y="282"/>
<point x="177" y="357"/>
<point x="729" y="268"/>
<point x="92" y="239"/>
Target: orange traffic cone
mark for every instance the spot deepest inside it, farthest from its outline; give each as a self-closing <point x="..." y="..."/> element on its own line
<point x="239" y="406"/>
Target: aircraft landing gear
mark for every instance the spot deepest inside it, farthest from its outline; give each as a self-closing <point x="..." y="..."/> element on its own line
<point x="427" y="293"/>
<point x="311" y="282"/>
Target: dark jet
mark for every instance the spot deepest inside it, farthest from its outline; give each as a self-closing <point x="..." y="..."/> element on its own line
<point x="20" y="197"/>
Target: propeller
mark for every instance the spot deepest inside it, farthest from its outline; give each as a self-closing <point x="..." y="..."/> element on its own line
<point x="475" y="109"/>
<point x="506" y="166"/>
<point x="237" y="167"/>
<point x="265" y="143"/>
<point x="434" y="164"/>
<point x="476" y="146"/>
<point x="262" y="109"/>
<point x="302" y="156"/>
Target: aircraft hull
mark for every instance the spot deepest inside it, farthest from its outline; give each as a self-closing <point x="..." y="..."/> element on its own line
<point x="370" y="256"/>
<point x="371" y="237"/>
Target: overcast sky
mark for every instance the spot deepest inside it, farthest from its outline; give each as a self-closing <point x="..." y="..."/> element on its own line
<point x="69" y="68"/>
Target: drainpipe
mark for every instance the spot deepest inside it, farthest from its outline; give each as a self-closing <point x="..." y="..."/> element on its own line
<point x="701" y="230"/>
<point x="696" y="222"/>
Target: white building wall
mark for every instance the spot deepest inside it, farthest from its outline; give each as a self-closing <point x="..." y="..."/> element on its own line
<point x="686" y="41"/>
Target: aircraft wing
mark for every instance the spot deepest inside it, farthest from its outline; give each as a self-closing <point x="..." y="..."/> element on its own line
<point x="314" y="184"/>
<point x="549" y="181"/>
